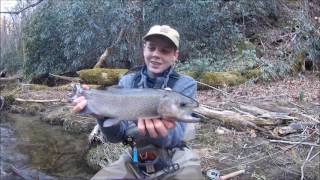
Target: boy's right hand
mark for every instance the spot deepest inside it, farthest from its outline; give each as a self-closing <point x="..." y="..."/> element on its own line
<point x="80" y="103"/>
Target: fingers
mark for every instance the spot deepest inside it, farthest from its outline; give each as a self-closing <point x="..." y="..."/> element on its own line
<point x="155" y="127"/>
<point x="76" y="101"/>
<point x="169" y="124"/>
<point x="141" y="126"/>
<point x="79" y="104"/>
<point x="151" y="128"/>
<point x="85" y="86"/>
<point x="160" y="127"/>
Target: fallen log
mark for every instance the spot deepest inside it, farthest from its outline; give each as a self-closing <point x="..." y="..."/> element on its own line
<point x="276" y="115"/>
<point x="253" y="109"/>
<point x="231" y="119"/>
<point x="101" y="76"/>
<point x="37" y="100"/>
<point x="71" y="79"/>
<point x="9" y="79"/>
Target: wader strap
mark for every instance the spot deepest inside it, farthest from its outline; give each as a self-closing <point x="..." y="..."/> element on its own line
<point x="135" y="170"/>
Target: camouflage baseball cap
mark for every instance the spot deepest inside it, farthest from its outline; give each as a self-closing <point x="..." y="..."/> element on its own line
<point x="166" y="31"/>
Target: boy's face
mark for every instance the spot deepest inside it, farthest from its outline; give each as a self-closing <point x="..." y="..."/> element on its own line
<point x="159" y="54"/>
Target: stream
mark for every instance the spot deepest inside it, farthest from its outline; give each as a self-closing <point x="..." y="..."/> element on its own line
<point x="31" y="149"/>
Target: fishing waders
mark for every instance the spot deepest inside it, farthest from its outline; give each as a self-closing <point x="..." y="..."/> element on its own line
<point x="150" y="162"/>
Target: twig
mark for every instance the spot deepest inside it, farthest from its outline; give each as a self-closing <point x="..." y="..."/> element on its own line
<point x="296" y="105"/>
<point x="7" y="79"/>
<point x="264" y="48"/>
<point x="305" y="161"/>
<point x="310" y="117"/>
<point x="290" y="142"/>
<point x="231" y="175"/>
<point x="315" y="155"/>
<point x="262" y="158"/>
<point x="260" y="97"/>
<point x="316" y="104"/>
<point x="17" y="12"/>
<point x="223" y="92"/>
<point x="281" y="165"/>
<point x="72" y="79"/>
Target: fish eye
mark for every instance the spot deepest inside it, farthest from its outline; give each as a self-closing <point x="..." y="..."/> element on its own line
<point x="183" y="104"/>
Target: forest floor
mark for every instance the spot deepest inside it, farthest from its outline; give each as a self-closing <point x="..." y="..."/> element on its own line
<point x="227" y="150"/>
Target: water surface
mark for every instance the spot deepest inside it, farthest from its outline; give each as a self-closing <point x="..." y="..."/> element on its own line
<point x="39" y="149"/>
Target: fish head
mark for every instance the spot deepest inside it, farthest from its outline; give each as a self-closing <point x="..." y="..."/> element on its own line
<point x="183" y="101"/>
<point x="76" y="92"/>
<point x="174" y="105"/>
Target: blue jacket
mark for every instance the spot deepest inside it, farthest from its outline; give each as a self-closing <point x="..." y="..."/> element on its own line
<point x="184" y="84"/>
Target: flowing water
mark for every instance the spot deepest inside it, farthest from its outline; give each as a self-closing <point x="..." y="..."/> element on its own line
<point x="37" y="150"/>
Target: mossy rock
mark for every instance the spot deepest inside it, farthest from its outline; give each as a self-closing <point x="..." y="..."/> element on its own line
<point x="78" y="124"/>
<point x="217" y="78"/>
<point x="17" y="109"/>
<point x="107" y="77"/>
<point x="31" y="108"/>
<point x="34" y="108"/>
<point x="223" y="78"/>
<point x="9" y="99"/>
<point x="56" y="117"/>
<point x="101" y="76"/>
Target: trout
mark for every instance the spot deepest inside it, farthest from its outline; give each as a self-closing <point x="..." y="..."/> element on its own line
<point x="129" y="104"/>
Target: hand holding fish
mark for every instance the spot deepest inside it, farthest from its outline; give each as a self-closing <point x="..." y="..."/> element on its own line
<point x="80" y="103"/>
<point x="156" y="110"/>
<point x="155" y="127"/>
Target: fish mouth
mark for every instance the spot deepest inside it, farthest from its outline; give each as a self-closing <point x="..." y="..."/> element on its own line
<point x="77" y="90"/>
<point x="189" y="118"/>
<point x="194" y="103"/>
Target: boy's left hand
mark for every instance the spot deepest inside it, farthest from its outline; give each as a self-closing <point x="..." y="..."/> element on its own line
<point x="155" y="127"/>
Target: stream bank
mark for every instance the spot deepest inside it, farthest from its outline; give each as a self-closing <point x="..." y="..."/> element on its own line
<point x="36" y="149"/>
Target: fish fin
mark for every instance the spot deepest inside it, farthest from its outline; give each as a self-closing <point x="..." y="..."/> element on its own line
<point x="111" y="122"/>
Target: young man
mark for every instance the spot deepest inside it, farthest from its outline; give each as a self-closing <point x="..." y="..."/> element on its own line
<point x="163" y="142"/>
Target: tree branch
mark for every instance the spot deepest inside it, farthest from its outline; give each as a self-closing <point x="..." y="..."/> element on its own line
<point x="103" y="58"/>
<point x="18" y="12"/>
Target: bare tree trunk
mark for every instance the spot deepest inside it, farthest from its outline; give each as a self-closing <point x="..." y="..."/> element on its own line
<point x="135" y="38"/>
<point x="103" y="58"/>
